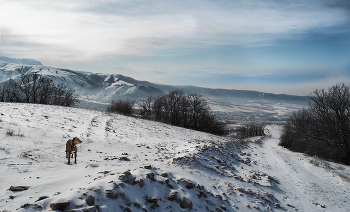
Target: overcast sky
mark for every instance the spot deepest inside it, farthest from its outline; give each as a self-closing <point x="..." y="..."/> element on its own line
<point x="288" y="46"/>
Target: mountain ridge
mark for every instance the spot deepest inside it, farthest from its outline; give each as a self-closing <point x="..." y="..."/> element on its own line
<point x="99" y="81"/>
<point x="96" y="90"/>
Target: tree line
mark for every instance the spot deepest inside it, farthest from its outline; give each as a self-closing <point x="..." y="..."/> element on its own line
<point x="35" y="88"/>
<point x="189" y="111"/>
<point x="323" y="128"/>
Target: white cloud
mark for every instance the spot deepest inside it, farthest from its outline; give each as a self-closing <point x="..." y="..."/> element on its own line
<point x="85" y="30"/>
<point x="84" y="36"/>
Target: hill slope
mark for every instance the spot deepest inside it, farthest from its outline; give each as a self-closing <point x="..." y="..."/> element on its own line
<point x="91" y="87"/>
<point x="168" y="166"/>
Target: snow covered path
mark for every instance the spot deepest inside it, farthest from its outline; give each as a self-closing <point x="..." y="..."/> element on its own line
<point x="304" y="186"/>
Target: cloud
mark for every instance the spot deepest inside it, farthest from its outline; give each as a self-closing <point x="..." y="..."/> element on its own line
<point x="341" y="4"/>
<point x="88" y="35"/>
<point x="90" y="30"/>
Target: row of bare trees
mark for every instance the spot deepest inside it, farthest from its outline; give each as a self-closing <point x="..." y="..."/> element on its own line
<point x="35" y="88"/>
<point x="322" y="129"/>
<point x="189" y="111"/>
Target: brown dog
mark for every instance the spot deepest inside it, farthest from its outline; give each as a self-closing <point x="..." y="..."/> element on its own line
<point x="71" y="147"/>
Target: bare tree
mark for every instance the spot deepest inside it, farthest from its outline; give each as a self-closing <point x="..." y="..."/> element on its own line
<point x="26" y="86"/>
<point x="70" y="97"/>
<point x="197" y="106"/>
<point x="44" y="94"/>
<point x="189" y="111"/>
<point x="159" y="108"/>
<point x="12" y="91"/>
<point x="298" y="131"/>
<point x="35" y="88"/>
<point x="184" y="116"/>
<point x="173" y="102"/>
<point x="324" y="128"/>
<point x="146" y="108"/>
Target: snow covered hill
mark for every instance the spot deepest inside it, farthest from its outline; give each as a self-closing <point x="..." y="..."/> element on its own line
<point x="91" y="87"/>
<point x="96" y="90"/>
<point x="128" y="164"/>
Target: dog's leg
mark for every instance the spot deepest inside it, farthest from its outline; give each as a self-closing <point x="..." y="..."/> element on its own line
<point x="69" y="159"/>
<point x="75" y="156"/>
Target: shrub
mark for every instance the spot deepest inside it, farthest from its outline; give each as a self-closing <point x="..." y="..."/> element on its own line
<point x="250" y="129"/>
<point x="10" y="132"/>
<point x="125" y="107"/>
<point x="25" y="154"/>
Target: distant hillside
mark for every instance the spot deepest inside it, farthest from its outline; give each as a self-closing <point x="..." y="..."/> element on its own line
<point x="234" y="93"/>
<point x="90" y="86"/>
<point x="96" y="90"/>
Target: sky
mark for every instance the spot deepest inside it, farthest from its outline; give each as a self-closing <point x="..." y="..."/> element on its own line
<point x="290" y="46"/>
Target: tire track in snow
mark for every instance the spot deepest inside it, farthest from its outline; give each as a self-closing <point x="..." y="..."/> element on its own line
<point x="304" y="186"/>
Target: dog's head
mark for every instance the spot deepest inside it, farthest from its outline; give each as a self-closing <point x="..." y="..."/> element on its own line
<point x="76" y="141"/>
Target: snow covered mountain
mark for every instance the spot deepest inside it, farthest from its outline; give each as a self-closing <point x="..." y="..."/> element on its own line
<point x="90" y="86"/>
<point x="96" y="90"/>
<point x="129" y="164"/>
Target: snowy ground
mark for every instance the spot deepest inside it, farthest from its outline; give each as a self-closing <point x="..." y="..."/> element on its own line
<point x="168" y="167"/>
<point x="305" y="183"/>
